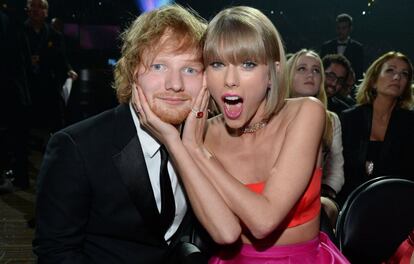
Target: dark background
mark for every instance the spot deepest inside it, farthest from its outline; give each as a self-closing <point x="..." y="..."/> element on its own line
<point x="91" y="27"/>
<point x="387" y="24"/>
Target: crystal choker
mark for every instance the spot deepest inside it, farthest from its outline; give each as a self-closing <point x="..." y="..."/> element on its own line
<point x="256" y="126"/>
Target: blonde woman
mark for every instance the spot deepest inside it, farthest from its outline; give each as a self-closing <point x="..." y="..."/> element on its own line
<point x="305" y="77"/>
<point x="378" y="132"/>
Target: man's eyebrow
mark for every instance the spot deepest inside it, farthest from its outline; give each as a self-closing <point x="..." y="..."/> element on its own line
<point x="194" y="62"/>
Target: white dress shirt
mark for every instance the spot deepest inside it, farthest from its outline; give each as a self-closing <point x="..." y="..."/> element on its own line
<point x="342" y="46"/>
<point x="152" y="156"/>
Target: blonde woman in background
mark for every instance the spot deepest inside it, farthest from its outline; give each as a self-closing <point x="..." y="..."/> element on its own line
<point x="305" y="77"/>
<point x="378" y="132"/>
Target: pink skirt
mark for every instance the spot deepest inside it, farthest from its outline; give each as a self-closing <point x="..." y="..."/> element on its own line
<point x="318" y="250"/>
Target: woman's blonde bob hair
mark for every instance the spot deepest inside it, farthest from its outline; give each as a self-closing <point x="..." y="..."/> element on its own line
<point x="168" y="27"/>
<point x="241" y="33"/>
<point x="366" y="92"/>
<point x="321" y="95"/>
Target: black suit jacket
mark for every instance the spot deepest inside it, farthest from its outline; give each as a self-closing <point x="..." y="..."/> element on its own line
<point x="396" y="157"/>
<point x="336" y="105"/>
<point x="95" y="202"/>
<point x="354" y="52"/>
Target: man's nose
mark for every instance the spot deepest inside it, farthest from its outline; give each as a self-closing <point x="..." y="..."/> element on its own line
<point x="174" y="81"/>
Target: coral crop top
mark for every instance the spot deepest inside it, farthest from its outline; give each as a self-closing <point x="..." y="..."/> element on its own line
<point x="308" y="207"/>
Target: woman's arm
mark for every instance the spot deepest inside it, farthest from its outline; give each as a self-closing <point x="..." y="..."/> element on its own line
<point x="287" y="180"/>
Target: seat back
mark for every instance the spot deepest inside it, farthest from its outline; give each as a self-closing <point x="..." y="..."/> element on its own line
<point x="375" y="219"/>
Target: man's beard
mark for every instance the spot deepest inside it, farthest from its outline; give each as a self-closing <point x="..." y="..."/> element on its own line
<point x="330" y="91"/>
<point x="174" y="115"/>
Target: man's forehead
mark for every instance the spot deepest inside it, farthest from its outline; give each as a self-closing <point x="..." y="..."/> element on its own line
<point x="190" y="54"/>
<point x="339" y="69"/>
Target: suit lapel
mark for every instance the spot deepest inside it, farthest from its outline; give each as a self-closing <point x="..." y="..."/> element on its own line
<point x="348" y="50"/>
<point x="366" y="124"/>
<point x="390" y="134"/>
<point x="131" y="165"/>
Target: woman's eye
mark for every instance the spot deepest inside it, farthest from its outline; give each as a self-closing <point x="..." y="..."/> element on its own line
<point x="249" y="64"/>
<point x="301" y="69"/>
<point x="216" y="64"/>
<point x="316" y="70"/>
<point x="405" y="74"/>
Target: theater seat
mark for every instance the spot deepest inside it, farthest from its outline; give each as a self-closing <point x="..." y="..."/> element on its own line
<point x="375" y="219"/>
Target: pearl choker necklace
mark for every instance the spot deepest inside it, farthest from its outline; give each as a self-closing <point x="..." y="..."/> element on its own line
<point x="253" y="128"/>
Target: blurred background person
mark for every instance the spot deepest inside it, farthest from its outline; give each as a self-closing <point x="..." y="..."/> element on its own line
<point x="14" y="107"/>
<point x="337" y="68"/>
<point x="49" y="68"/>
<point x="347" y="92"/>
<point x="377" y="134"/>
<point x="57" y="24"/>
<point x="305" y="77"/>
<point x="343" y="44"/>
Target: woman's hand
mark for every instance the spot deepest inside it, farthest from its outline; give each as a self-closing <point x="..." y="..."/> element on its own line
<point x="163" y="131"/>
<point x="193" y="134"/>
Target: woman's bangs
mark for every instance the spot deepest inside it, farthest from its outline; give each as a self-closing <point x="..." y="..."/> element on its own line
<point x="234" y="46"/>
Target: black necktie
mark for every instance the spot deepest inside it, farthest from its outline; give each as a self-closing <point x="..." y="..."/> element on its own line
<point x="167" y="196"/>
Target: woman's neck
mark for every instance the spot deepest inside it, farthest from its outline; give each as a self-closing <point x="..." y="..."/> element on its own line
<point x="383" y="106"/>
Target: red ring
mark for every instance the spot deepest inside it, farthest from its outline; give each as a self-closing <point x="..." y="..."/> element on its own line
<point x="199" y="114"/>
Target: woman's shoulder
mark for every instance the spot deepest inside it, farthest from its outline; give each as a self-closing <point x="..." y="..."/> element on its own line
<point x="306" y="106"/>
<point x="406" y="117"/>
<point x="407" y="112"/>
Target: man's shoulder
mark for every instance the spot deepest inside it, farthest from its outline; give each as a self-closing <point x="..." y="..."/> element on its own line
<point x="354" y="111"/>
<point x="329" y="42"/>
<point x="335" y="100"/>
<point x="99" y="124"/>
<point x="355" y="43"/>
<point x="328" y="47"/>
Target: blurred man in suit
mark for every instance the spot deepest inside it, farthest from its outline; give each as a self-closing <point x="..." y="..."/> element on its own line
<point x="345" y="45"/>
<point x="49" y="67"/>
<point x="337" y="69"/>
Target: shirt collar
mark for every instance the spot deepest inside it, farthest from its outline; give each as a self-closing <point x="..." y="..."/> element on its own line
<point x="343" y="42"/>
<point x="149" y="144"/>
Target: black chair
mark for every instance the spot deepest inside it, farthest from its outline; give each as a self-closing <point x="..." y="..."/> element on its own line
<point x="375" y="219"/>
